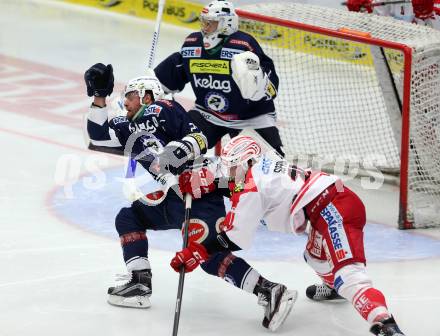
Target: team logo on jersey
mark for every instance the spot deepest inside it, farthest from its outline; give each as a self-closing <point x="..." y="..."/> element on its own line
<point x="337" y="232"/>
<point x="197" y="231"/>
<point x="228" y="53"/>
<point x="213" y="84"/>
<point x="218" y="67"/>
<point x="148" y="126"/>
<point x="194" y="52"/>
<point x="216" y="102"/>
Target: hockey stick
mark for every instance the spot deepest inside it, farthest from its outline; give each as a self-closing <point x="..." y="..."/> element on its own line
<point x="188" y="203"/>
<point x="131" y="165"/>
<point x="383" y="3"/>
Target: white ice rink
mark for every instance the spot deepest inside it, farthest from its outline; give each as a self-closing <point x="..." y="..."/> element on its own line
<point x="58" y="248"/>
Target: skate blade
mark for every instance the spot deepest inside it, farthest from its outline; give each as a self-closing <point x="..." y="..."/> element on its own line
<point x="132" y="302"/>
<point x="287" y="301"/>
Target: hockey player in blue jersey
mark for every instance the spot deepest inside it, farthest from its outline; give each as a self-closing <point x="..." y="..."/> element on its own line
<point x="233" y="80"/>
<point x="151" y="122"/>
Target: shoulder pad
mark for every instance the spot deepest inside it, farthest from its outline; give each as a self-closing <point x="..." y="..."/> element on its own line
<point x="164" y="102"/>
<point x="242" y="41"/>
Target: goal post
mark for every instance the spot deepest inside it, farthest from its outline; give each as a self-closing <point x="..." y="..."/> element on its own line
<point x="357" y="91"/>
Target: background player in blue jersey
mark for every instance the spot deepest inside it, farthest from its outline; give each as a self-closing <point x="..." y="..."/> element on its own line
<point x="152" y="122"/>
<point x="233" y="80"/>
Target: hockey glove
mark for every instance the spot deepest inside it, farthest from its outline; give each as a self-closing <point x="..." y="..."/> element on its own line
<point x="176" y="154"/>
<point x="196" y="182"/>
<point x="99" y="80"/>
<point x="360" y="6"/>
<point x="249" y="77"/>
<point x="190" y="257"/>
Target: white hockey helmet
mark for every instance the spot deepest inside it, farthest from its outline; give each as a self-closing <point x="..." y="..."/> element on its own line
<point x="237" y="153"/>
<point x="143" y="84"/>
<point x="222" y="12"/>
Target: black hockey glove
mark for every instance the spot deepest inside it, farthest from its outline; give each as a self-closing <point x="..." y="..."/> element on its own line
<point x="99" y="80"/>
<point x="175" y="156"/>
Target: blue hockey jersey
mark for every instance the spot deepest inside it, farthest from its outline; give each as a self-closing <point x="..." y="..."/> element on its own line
<point x="162" y="122"/>
<point x="210" y="76"/>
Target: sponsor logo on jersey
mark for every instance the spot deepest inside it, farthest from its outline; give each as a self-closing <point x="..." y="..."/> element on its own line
<point x="191" y="39"/>
<point x="118" y="120"/>
<point x="193" y="52"/>
<point x="338" y="283"/>
<point x="216" y="102"/>
<point x="153" y="109"/>
<point x="314" y="243"/>
<point x="265" y="165"/>
<point x="227" y="53"/>
<point x="242" y="43"/>
<point x="220" y="225"/>
<point x="280" y="167"/>
<point x="199" y="139"/>
<point x="218" y="67"/>
<point x="166" y="102"/>
<point x="270" y="90"/>
<point x="213" y="84"/>
<point x="198" y="230"/>
<point x="337" y="232"/>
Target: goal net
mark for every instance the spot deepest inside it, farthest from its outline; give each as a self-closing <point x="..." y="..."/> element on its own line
<point x="358" y="93"/>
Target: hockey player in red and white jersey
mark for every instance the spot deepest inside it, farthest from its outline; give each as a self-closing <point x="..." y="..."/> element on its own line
<point x="422" y="12"/>
<point x="264" y="186"/>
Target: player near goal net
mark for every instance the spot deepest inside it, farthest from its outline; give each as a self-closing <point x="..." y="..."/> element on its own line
<point x="233" y="80"/>
<point x="423" y="12"/>
<point x="264" y="186"/>
<point x="151" y="123"/>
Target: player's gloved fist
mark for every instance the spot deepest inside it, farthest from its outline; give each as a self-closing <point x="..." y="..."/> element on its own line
<point x="423" y="9"/>
<point x="360" y="5"/>
<point x="190" y="257"/>
<point x="196" y="182"/>
<point x="174" y="157"/>
<point x="99" y="80"/>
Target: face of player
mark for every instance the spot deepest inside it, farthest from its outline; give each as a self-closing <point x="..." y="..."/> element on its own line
<point x="132" y="103"/>
<point x="208" y="26"/>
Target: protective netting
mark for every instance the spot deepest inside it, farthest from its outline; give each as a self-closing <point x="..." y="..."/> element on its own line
<point x="335" y="106"/>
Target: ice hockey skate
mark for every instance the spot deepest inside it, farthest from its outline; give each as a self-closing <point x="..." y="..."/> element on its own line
<point x="135" y="292"/>
<point x="386" y="327"/>
<point x="277" y="301"/>
<point x="322" y="292"/>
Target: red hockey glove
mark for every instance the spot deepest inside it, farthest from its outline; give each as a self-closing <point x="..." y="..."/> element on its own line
<point x="196" y="182"/>
<point x="191" y="257"/>
<point x="423" y="9"/>
<point x="360" y="6"/>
